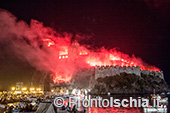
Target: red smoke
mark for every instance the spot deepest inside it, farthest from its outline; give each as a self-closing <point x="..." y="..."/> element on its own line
<point x="50" y="51"/>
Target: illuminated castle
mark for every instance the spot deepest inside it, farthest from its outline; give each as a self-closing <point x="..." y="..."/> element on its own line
<point x="74" y="57"/>
<point x="71" y="52"/>
<point x="103" y="71"/>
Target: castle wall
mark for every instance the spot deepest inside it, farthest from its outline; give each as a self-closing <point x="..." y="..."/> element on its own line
<point x="103" y="71"/>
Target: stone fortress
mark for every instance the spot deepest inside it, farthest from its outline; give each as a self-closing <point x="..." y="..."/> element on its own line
<point x="104" y="71"/>
<point x="88" y="77"/>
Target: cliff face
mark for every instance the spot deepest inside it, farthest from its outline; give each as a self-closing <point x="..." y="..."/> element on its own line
<point x="129" y="83"/>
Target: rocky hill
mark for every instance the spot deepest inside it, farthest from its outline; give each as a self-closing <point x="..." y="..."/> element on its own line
<point x="129" y="83"/>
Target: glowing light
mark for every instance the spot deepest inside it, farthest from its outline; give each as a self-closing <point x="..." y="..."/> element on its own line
<point x="32" y="89"/>
<point x="63" y="50"/>
<point x="13" y="88"/>
<point x="38" y="89"/>
<point x="59" y="78"/>
<point x="83" y="53"/>
<point x="49" y="42"/>
<point x="24" y="89"/>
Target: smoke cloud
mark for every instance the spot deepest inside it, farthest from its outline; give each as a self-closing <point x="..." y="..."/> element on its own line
<point x="48" y="50"/>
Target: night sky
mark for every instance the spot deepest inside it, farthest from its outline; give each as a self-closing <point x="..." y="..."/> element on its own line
<point x="139" y="27"/>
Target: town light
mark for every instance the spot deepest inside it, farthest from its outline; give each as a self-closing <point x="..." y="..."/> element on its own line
<point x="32" y="89"/>
<point x="38" y="89"/>
<point x="24" y="89"/>
<point x="13" y="88"/>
